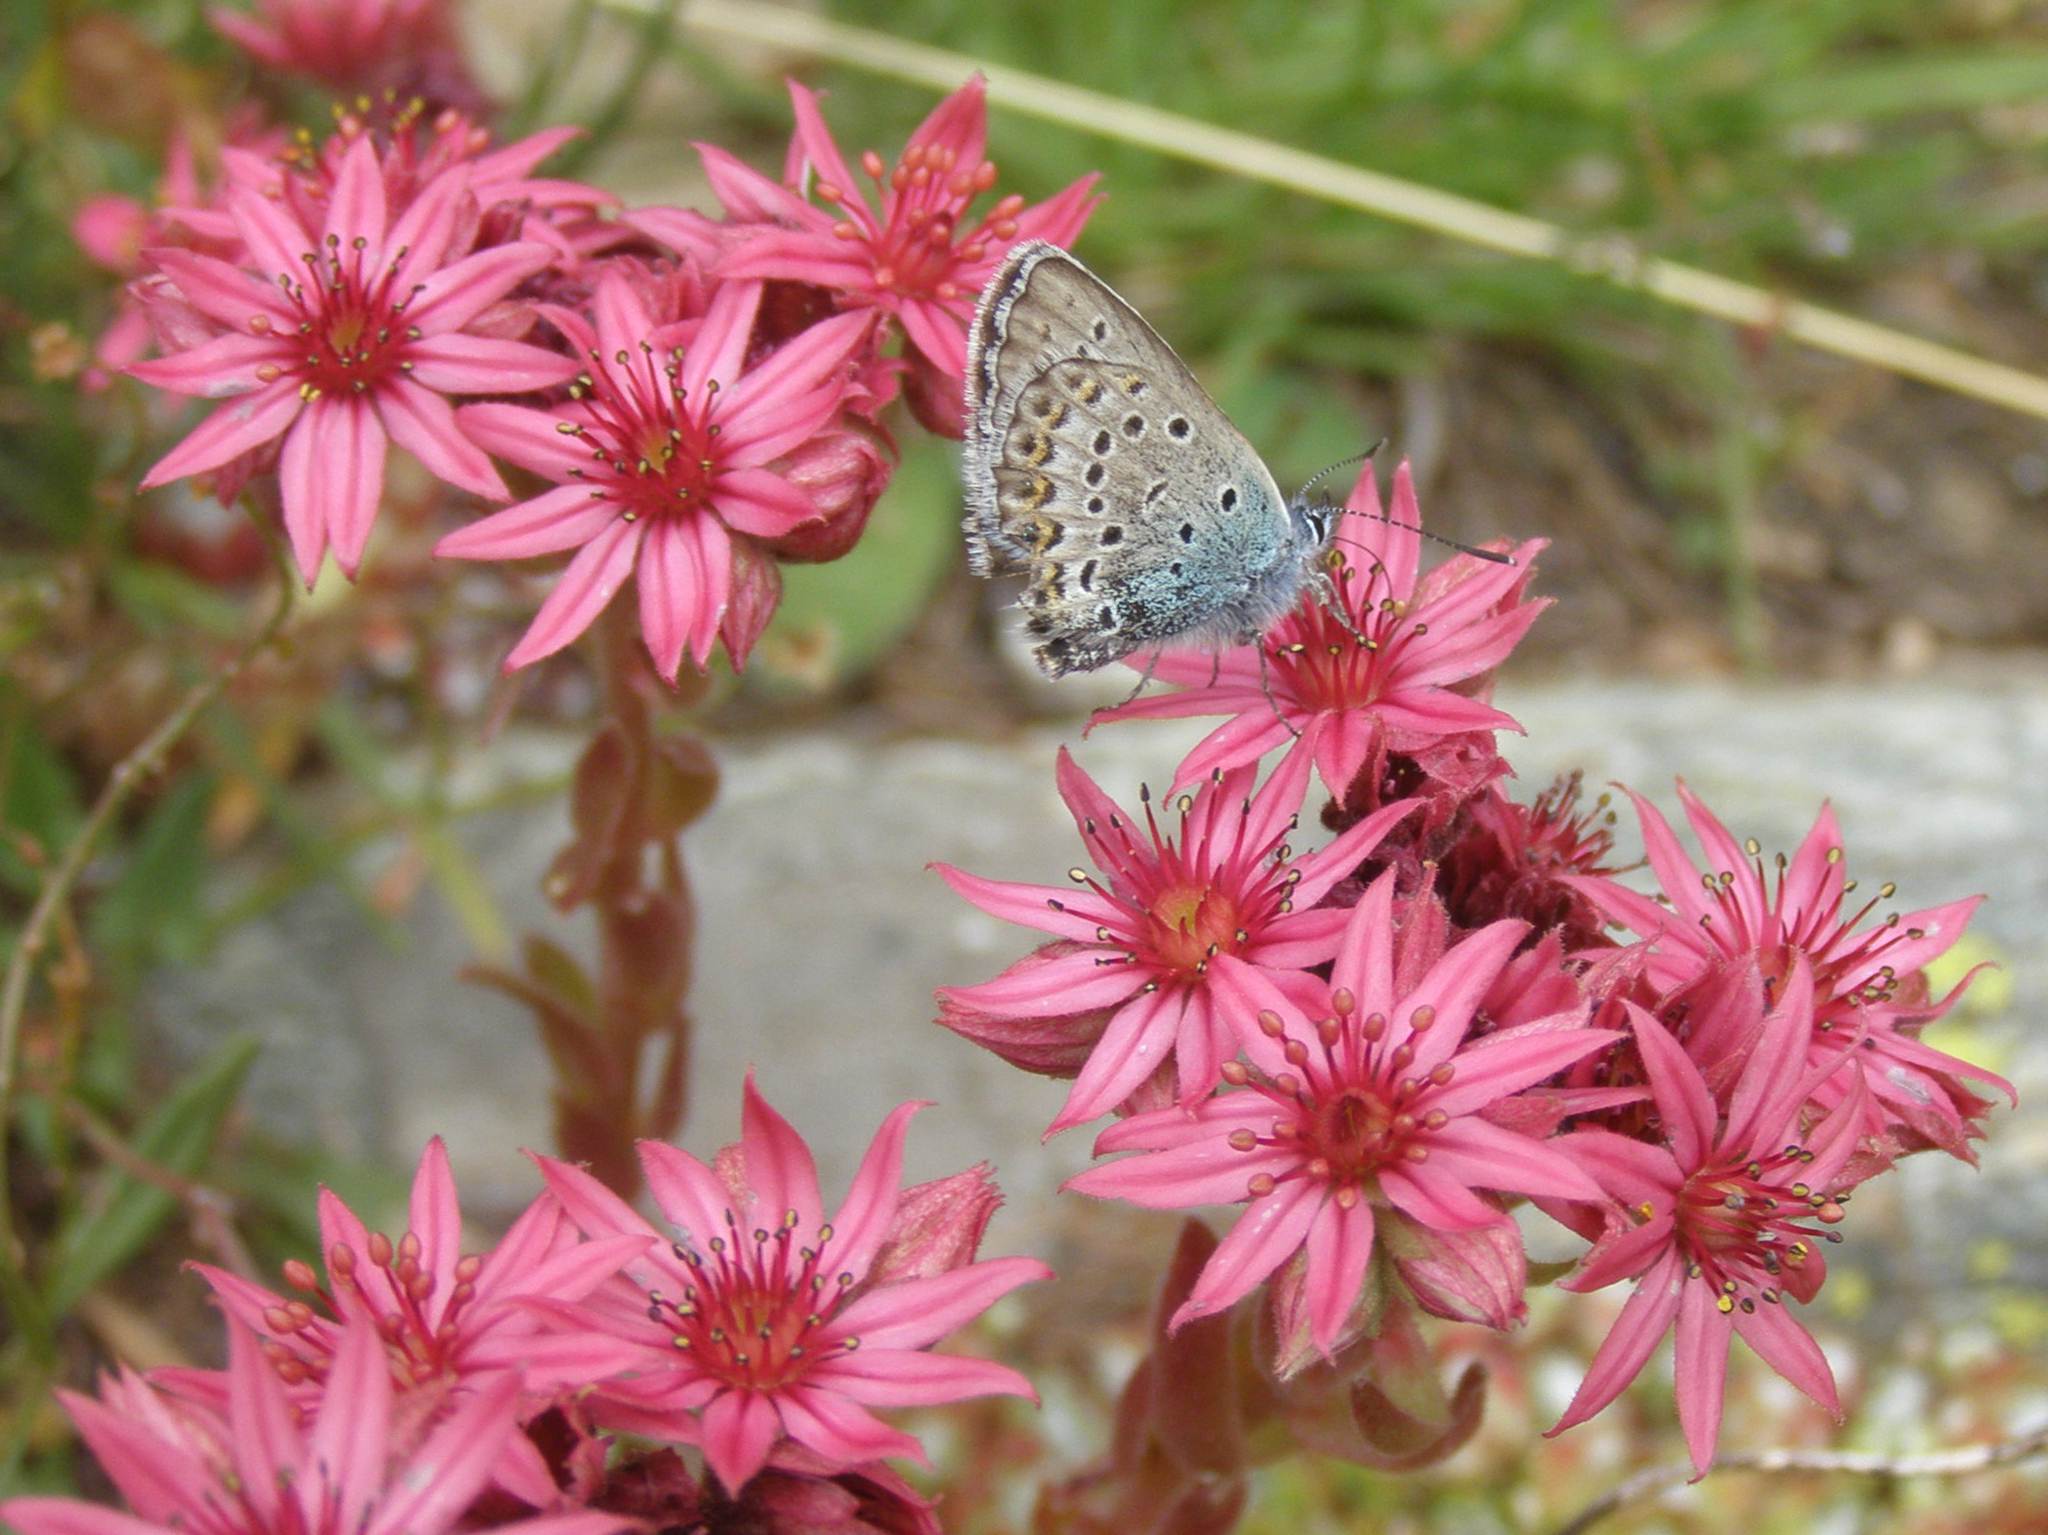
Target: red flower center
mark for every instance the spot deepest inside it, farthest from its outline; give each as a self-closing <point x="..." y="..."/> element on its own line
<point x="1188" y="925"/>
<point x="1743" y="1226"/>
<point x="1351" y="1107"/>
<point x="1323" y="664"/>
<point x="752" y="1314"/>
<point x="351" y="321"/>
<point x="419" y="1347"/>
<point x="924" y="197"/>
<point x="1840" y="956"/>
<point x="655" y="454"/>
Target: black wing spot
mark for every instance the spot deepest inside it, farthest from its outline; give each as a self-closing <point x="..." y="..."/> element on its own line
<point x="1179" y="427"/>
<point x="1095" y="506"/>
<point x="1111" y="536"/>
<point x="1174" y="568"/>
<point x="1187" y="532"/>
<point x="1134" y="426"/>
<point x="1095" y="475"/>
<point x="1088" y="576"/>
<point x="1105" y="617"/>
<point x="1038" y="625"/>
<point x="1228" y="500"/>
<point x="1158" y="489"/>
<point x="1103" y="442"/>
<point x="1100" y="330"/>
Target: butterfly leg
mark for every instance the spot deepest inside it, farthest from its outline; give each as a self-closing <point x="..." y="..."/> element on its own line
<point x="1266" y="687"/>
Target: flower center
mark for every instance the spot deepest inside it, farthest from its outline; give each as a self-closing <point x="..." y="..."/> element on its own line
<point x="1744" y="1227"/>
<point x="924" y="197"/>
<point x="1192" y="924"/>
<point x="1350" y="1107"/>
<point x="420" y="1346"/>
<point x="351" y="320"/>
<point x="1326" y="666"/>
<point x="751" y="1315"/>
<point x="654" y="453"/>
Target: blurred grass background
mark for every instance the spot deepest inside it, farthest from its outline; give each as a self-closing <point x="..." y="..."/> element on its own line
<point x="1718" y="500"/>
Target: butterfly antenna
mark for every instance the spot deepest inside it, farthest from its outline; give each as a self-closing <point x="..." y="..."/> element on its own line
<point x="1320" y="475"/>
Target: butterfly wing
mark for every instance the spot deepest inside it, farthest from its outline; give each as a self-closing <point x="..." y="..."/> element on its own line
<point x="1097" y="462"/>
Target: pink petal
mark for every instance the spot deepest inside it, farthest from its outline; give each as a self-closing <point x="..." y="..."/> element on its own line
<point x="814" y="141"/>
<point x="277" y="244"/>
<point x="1321" y="871"/>
<point x="1499" y="1065"/>
<point x="761" y="503"/>
<point x="1789" y="1349"/>
<point x="1208" y="1171"/>
<point x="690" y="1194"/>
<point x="1066" y="913"/>
<point x="444" y="1476"/>
<point x="69" y="1516"/>
<point x="333" y="463"/>
<point x="669" y="594"/>
<point x="226" y="365"/>
<point x="895" y="1377"/>
<point x="1631" y="1171"/>
<point x="566" y="517"/>
<point x="456" y="364"/>
<point x="1683" y="1101"/>
<point x="232" y="430"/>
<point x="1339" y="1252"/>
<point x="1439" y="1199"/>
<point x="1486" y="1156"/>
<point x="1070" y="983"/>
<point x="919" y="1312"/>
<point x="938" y="334"/>
<point x="1702" y="1371"/>
<point x="713" y="556"/>
<point x="264" y="1438"/>
<point x="595" y="1209"/>
<point x="1453" y="988"/>
<point x="779" y="1168"/>
<point x="808" y="255"/>
<point x="226" y="293"/>
<point x="153" y="1475"/>
<point x="840" y="1430"/>
<point x="736" y="1432"/>
<point x="355" y="209"/>
<point x="1623" y="1353"/>
<point x="457" y="294"/>
<point x="348" y="1439"/>
<point x="1266" y="1235"/>
<point x="1136" y="1043"/>
<point x="527" y="437"/>
<point x="435" y="1217"/>
<point x="721" y="343"/>
<point x="862" y="1220"/>
<point x="423" y="423"/>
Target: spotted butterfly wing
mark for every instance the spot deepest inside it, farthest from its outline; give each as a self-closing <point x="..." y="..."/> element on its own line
<point x="1097" y="464"/>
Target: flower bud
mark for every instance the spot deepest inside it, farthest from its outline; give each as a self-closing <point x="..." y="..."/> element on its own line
<point x="844" y="471"/>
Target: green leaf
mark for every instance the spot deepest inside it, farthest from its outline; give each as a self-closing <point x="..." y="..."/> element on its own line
<point x="178" y="1137"/>
<point x="155" y="909"/>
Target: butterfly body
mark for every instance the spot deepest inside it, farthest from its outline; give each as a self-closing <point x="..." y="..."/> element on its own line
<point x="1098" y="465"/>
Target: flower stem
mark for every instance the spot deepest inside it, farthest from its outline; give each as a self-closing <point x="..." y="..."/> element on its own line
<point x="17" y="1289"/>
<point x="1957" y="1462"/>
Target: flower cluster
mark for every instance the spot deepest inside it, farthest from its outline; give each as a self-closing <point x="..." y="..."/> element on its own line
<point x="700" y="397"/>
<point x="416" y="1388"/>
<point x="1375" y="1047"/>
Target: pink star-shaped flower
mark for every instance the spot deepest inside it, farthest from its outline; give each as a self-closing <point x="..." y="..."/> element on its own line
<point x="1143" y="939"/>
<point x="342" y="339"/>
<point x="766" y="1321"/>
<point x="1723" y="1218"/>
<point x="660" y="467"/>
<point x="1367" y="1102"/>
